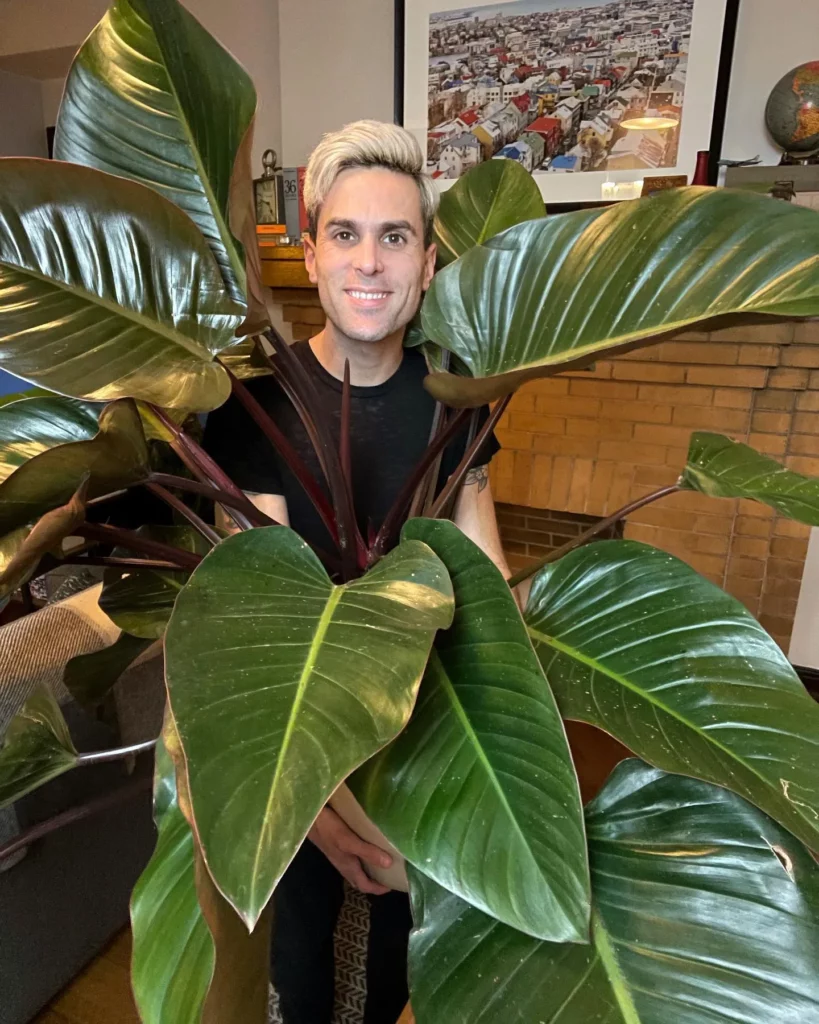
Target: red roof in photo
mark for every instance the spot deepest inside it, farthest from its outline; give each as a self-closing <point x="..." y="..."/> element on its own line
<point x="544" y="124"/>
<point x="521" y="102"/>
<point x="469" y="117"/>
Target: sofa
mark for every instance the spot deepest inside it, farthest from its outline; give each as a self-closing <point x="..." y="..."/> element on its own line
<point x="65" y="895"/>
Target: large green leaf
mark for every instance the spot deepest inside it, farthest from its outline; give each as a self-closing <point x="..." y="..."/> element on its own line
<point x="140" y="601"/>
<point x="281" y="684"/>
<point x="173" y="956"/>
<point x="107" y="290"/>
<point x="29" y="426"/>
<point x="553" y="293"/>
<point x="705" y="913"/>
<point x="89" y="677"/>
<point x="490" y="198"/>
<point x="116" y="457"/>
<point x="723" y="468"/>
<point x="44" y="537"/>
<point x="637" y="643"/>
<point x="193" y="961"/>
<point x="36" y="747"/>
<point x="153" y="97"/>
<point x="479" y="791"/>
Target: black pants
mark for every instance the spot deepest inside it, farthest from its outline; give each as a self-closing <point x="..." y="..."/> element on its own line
<point x="307" y="902"/>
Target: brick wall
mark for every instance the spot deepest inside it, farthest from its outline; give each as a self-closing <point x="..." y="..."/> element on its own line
<point x="530" y="533"/>
<point x="591" y="445"/>
<point x="589" y="442"/>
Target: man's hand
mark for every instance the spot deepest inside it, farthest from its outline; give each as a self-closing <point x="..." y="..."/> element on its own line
<point x="345" y="851"/>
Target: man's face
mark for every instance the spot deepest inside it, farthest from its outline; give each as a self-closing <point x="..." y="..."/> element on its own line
<point x="368" y="258"/>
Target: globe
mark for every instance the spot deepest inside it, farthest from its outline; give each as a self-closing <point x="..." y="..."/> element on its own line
<point x="792" y="113"/>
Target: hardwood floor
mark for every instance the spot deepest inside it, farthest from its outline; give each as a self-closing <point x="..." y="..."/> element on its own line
<point x="101" y="994"/>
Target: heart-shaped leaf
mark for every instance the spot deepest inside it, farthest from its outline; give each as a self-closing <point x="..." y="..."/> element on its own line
<point x="29" y="426"/>
<point x="115" y="457"/>
<point x="154" y="97"/>
<point x="479" y="791"/>
<point x="723" y="468"/>
<point x="45" y="536"/>
<point x="107" y="290"/>
<point x="281" y="684"/>
<point x="487" y="200"/>
<point x="140" y="601"/>
<point x="705" y="913"/>
<point x="36" y="747"/>
<point x="89" y="677"/>
<point x="554" y="293"/>
<point x="637" y="643"/>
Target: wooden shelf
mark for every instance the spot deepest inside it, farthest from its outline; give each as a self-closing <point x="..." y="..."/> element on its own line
<point x="283" y="266"/>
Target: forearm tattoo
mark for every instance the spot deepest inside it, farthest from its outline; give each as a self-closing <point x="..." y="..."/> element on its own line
<point x="479" y="475"/>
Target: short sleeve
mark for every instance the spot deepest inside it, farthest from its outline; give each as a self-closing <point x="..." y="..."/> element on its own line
<point x="457" y="447"/>
<point x="240" y="448"/>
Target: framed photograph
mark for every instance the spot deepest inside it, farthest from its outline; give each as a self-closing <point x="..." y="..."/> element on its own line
<point x="592" y="97"/>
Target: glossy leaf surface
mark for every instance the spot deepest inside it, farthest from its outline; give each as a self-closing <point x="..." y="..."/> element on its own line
<point x="36" y="747"/>
<point x="29" y="426"/>
<point x="554" y="293"/>
<point x="140" y="601"/>
<point x="281" y="684"/>
<point x="115" y="457"/>
<point x="493" y="196"/>
<point x="90" y="677"/>
<point x="153" y="97"/>
<point x="173" y="953"/>
<point x="723" y="468"/>
<point x="479" y="791"/>
<point x="637" y="643"/>
<point x="44" y="537"/>
<point x="107" y="290"/>
<point x="706" y="912"/>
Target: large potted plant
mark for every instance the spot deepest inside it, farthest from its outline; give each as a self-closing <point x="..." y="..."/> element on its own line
<point x="686" y="891"/>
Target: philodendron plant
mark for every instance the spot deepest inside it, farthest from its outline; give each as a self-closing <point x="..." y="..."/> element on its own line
<point x="686" y="891"/>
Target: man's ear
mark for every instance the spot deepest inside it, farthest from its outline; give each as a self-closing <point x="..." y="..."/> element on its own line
<point x="429" y="265"/>
<point x="310" y="258"/>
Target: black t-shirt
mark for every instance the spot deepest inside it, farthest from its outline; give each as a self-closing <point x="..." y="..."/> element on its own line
<point x="390" y="427"/>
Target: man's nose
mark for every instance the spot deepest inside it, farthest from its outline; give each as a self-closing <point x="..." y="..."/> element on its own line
<point x="368" y="256"/>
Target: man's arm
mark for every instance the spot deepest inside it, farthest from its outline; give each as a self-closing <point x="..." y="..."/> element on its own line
<point x="475" y="516"/>
<point x="274" y="505"/>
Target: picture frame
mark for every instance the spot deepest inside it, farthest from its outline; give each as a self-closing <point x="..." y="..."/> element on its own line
<point x="460" y="66"/>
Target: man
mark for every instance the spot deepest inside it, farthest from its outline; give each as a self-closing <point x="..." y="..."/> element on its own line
<point x="370" y="252"/>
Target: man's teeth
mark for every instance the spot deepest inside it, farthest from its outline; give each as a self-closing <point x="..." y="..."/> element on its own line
<point x="368" y="295"/>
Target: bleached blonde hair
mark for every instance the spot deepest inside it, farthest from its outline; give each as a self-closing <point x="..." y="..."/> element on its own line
<point x="367" y="144"/>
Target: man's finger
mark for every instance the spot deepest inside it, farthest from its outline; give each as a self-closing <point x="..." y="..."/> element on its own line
<point x="357" y="876"/>
<point x="369" y="854"/>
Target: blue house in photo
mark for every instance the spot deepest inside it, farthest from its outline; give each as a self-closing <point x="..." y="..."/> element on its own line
<point x="564" y="163"/>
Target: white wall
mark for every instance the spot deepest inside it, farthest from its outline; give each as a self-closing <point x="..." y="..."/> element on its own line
<point x="336" y="66"/>
<point x="248" y="28"/>
<point x="804" y="649"/>
<point x="52" y="94"/>
<point x="22" y="129"/>
<point x="772" y="38"/>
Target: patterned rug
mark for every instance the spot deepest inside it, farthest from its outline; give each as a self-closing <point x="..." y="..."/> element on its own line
<point x="350" y="939"/>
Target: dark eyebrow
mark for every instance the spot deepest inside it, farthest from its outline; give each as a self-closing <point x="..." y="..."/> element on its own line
<point x="337" y="222"/>
<point x="397" y="225"/>
<point x="383" y="229"/>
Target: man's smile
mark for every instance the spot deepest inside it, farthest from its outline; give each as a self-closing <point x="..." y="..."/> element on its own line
<point x="367" y="298"/>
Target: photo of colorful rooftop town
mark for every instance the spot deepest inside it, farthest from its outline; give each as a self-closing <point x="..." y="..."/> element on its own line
<point x="550" y="83"/>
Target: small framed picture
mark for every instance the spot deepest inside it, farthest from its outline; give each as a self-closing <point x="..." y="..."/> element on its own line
<point x="584" y="94"/>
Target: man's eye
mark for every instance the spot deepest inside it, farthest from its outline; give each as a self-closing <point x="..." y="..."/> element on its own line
<point x="344" y="236"/>
<point x="394" y="238"/>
